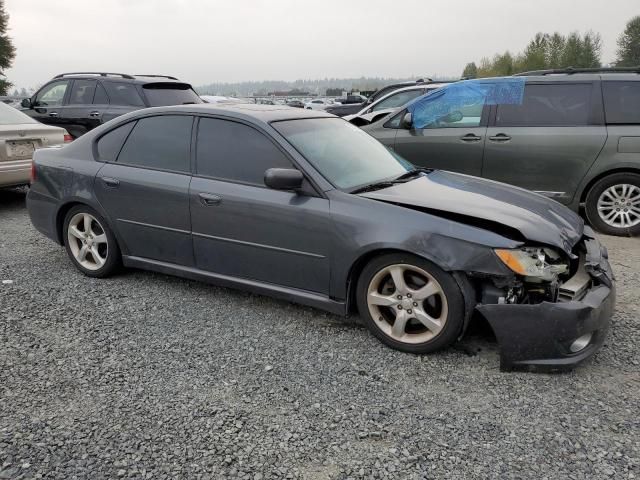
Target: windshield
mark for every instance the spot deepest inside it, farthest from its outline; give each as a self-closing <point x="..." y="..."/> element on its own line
<point x="161" y="94"/>
<point x="11" y="116"/>
<point x="345" y="155"/>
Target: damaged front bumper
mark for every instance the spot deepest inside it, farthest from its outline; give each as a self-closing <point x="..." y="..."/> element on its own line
<point x="558" y="335"/>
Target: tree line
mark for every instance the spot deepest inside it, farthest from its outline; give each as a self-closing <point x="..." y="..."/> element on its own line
<point x="553" y="51"/>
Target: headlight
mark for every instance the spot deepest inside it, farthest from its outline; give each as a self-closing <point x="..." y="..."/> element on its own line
<point x="538" y="263"/>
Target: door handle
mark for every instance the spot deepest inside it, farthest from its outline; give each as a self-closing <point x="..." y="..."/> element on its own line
<point x="500" y="137"/>
<point x="471" y="137"/>
<point x="94" y="114"/>
<point x="53" y="114"/>
<point x="110" y="182"/>
<point x="209" y="199"/>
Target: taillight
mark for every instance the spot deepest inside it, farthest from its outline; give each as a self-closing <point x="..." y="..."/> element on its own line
<point x="33" y="173"/>
<point x="68" y="138"/>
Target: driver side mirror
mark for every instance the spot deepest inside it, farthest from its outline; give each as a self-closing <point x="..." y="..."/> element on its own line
<point x="283" y="179"/>
<point x="407" y="121"/>
<point x="26" y="103"/>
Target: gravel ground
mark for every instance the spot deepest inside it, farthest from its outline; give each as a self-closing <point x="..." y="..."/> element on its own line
<point x="149" y="376"/>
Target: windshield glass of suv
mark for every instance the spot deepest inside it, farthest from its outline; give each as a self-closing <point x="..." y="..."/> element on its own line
<point x="11" y="116"/>
<point x="345" y="155"/>
<point x="161" y="94"/>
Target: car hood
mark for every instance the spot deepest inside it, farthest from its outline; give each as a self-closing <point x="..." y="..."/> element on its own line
<point x="462" y="198"/>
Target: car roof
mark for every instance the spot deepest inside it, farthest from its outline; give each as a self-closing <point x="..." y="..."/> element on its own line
<point x="119" y="77"/>
<point x="250" y="112"/>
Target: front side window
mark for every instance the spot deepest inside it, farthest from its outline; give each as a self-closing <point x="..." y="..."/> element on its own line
<point x="622" y="102"/>
<point x="52" y="95"/>
<point x="82" y="92"/>
<point x="125" y="94"/>
<point x="549" y="105"/>
<point x="344" y="154"/>
<point x="452" y="114"/>
<point x="161" y="142"/>
<point x="397" y="99"/>
<point x="236" y="152"/>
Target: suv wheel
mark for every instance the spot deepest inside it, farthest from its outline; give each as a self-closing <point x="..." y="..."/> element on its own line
<point x="409" y="303"/>
<point x="90" y="244"/>
<point x="613" y="204"/>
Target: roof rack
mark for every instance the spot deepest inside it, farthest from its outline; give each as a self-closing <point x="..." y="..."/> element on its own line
<point x="102" y="74"/>
<point x="157" y="76"/>
<point x="572" y="70"/>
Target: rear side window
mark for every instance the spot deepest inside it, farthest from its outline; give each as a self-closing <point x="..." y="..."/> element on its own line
<point x="622" y="102"/>
<point x="162" y="142"/>
<point x="549" y="105"/>
<point x="236" y="152"/>
<point x="161" y="94"/>
<point x="109" y="145"/>
<point x="125" y="94"/>
<point x="82" y="92"/>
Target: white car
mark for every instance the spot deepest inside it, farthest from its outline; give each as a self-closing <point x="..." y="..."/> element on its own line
<point x="318" y="104"/>
<point x="387" y="104"/>
<point x="20" y="136"/>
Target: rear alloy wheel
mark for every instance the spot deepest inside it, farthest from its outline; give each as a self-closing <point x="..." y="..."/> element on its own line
<point x="613" y="204"/>
<point x="410" y="304"/>
<point x="89" y="243"/>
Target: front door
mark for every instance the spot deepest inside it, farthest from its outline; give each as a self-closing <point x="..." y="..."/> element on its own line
<point x="454" y="141"/>
<point x="145" y="190"/>
<point x="547" y="143"/>
<point x="243" y="229"/>
<point x="81" y="113"/>
<point x="47" y="103"/>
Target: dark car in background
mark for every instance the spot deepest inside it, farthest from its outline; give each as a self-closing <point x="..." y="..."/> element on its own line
<point x="79" y="102"/>
<point x="295" y="103"/>
<point x="574" y="138"/>
<point x="304" y="206"/>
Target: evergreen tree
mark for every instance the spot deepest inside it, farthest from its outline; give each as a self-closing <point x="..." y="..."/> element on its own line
<point x="7" y="50"/>
<point x="629" y="44"/>
<point x="470" y="70"/>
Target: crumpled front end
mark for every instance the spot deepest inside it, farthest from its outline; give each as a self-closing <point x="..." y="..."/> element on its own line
<point x="567" y="323"/>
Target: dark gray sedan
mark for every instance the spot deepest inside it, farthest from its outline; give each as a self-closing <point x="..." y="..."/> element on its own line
<point x="304" y="206"/>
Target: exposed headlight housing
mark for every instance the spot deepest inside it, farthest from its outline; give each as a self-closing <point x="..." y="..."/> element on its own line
<point x="533" y="263"/>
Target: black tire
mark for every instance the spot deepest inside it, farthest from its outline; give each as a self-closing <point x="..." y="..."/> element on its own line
<point x="112" y="257"/>
<point x="453" y="324"/>
<point x="591" y="204"/>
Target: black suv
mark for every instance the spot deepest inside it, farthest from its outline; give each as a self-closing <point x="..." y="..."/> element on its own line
<point x="80" y="101"/>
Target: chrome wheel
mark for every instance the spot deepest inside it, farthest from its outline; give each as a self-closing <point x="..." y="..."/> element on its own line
<point x="619" y="206"/>
<point x="87" y="241"/>
<point x="407" y="303"/>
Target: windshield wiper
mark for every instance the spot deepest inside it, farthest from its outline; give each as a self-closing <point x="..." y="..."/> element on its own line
<point x="374" y="186"/>
<point x="413" y="173"/>
<point x="389" y="183"/>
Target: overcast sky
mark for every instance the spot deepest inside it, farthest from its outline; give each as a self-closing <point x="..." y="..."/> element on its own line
<point x="203" y="41"/>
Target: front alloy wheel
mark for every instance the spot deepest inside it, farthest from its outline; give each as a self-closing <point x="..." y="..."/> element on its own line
<point x="410" y="304"/>
<point x="612" y="205"/>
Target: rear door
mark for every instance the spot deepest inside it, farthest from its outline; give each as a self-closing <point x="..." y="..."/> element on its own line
<point x="144" y="186"/>
<point x="79" y="115"/>
<point x="548" y="142"/>
<point x="454" y="142"/>
<point x="242" y="228"/>
<point x="123" y="97"/>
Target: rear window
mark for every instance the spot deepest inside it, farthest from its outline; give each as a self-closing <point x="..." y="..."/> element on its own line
<point x="11" y="116"/>
<point x="161" y="94"/>
<point x="622" y="102"/>
<point x="549" y="105"/>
